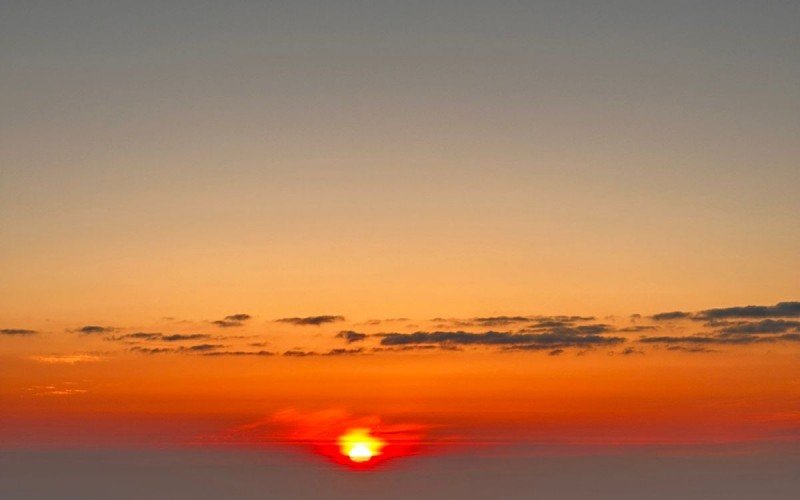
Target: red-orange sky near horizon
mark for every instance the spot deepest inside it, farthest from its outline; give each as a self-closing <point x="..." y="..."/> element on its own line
<point x="680" y="379"/>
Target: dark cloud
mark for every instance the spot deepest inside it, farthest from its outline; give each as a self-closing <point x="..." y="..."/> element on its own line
<point x="138" y="336"/>
<point x="630" y="350"/>
<point x="311" y="320"/>
<point x="779" y="310"/>
<point x="160" y="337"/>
<point x="550" y="323"/>
<point x="350" y="336"/>
<point x="239" y="353"/>
<point x="666" y="316"/>
<point x="238" y="317"/>
<point x="727" y="332"/>
<point x="519" y="341"/>
<point x="153" y="350"/>
<point x="499" y="320"/>
<point x="17" y="331"/>
<point x="555" y="352"/>
<point x="637" y="328"/>
<point x="696" y="339"/>
<point x="766" y="326"/>
<point x="722" y="339"/>
<point x="343" y="352"/>
<point x="232" y="320"/>
<point x="562" y="328"/>
<point x="569" y="319"/>
<point x="494" y="321"/>
<point x="333" y="352"/>
<point x="92" y="329"/>
<point x="375" y="322"/>
<point x="406" y="348"/>
<point x="201" y="348"/>
<point x="683" y="348"/>
<point x="222" y="323"/>
<point x="299" y="353"/>
<point x="177" y="337"/>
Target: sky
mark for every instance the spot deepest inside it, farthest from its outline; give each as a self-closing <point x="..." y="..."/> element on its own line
<point x="558" y="227"/>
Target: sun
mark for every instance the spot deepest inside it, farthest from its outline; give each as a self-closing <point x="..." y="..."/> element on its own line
<point x="359" y="446"/>
<point x="360" y="453"/>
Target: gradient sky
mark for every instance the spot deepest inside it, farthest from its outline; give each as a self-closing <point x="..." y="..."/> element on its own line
<point x="479" y="223"/>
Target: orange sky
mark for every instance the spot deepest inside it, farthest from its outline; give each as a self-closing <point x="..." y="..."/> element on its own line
<point x="461" y="217"/>
<point x="59" y="385"/>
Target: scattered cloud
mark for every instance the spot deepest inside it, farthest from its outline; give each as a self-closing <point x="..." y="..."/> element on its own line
<point x="95" y="329"/>
<point x="722" y="339"/>
<point x="668" y="316"/>
<point x="493" y="321"/>
<point x="343" y="352"/>
<point x="199" y="348"/>
<point x="766" y="326"/>
<point x="203" y="347"/>
<point x="299" y="354"/>
<point x="507" y="340"/>
<point x="239" y="353"/>
<point x="154" y="350"/>
<point x="160" y="337"/>
<point x="376" y="322"/>
<point x="21" y="332"/>
<point x="138" y="336"/>
<point x="311" y="320"/>
<point x="683" y="348"/>
<point x="405" y="348"/>
<point x="731" y="326"/>
<point x="232" y="320"/>
<point x="178" y="337"/>
<point x="637" y="329"/>
<point x="350" y="336"/>
<point x="238" y="317"/>
<point x="333" y="352"/>
<point x="779" y="310"/>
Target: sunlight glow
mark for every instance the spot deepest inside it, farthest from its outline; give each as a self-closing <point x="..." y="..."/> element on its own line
<point x="359" y="445"/>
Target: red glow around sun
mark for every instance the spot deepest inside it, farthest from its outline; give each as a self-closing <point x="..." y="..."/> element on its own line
<point x="359" y="443"/>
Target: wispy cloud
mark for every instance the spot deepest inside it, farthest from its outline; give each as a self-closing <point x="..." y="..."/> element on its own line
<point x="65" y="389"/>
<point x="350" y="336"/>
<point x="68" y="359"/>
<point x="507" y="340"/>
<point x="160" y="337"/>
<point x="311" y="320"/>
<point x="232" y="320"/>
<point x="779" y="310"/>
<point x="95" y="329"/>
<point x="239" y="353"/>
<point x="199" y="348"/>
<point x="671" y="315"/>
<point x="21" y="332"/>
